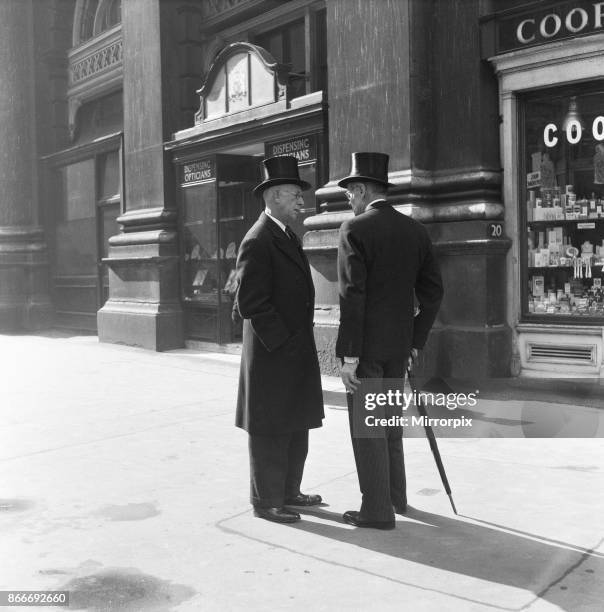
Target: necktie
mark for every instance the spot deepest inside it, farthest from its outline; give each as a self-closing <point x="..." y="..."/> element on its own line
<point x="291" y="234"/>
<point x="294" y="238"/>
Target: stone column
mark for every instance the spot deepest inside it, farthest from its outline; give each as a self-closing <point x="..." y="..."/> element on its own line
<point x="144" y="308"/>
<point x="406" y="78"/>
<point x="24" y="302"/>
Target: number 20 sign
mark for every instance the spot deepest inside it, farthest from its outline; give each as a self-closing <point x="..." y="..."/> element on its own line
<point x="495" y="230"/>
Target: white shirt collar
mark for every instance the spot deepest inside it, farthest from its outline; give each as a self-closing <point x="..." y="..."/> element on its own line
<point x="279" y="223"/>
<point x="374" y="201"/>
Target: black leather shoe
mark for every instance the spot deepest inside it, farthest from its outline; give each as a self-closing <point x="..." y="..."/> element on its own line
<point x="304" y="500"/>
<point x="400" y="509"/>
<point x="277" y="515"/>
<point x="354" y="518"/>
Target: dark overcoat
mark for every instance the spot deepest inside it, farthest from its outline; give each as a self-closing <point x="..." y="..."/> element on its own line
<point x="279" y="381"/>
<point x="383" y="258"/>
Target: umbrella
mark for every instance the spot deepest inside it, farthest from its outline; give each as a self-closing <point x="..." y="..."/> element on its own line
<point x="432" y="440"/>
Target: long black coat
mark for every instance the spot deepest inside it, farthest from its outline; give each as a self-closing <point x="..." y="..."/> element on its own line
<point x="279" y="382"/>
<point x="383" y="257"/>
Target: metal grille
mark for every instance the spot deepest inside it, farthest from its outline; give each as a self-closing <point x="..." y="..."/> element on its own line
<point x="562" y="353"/>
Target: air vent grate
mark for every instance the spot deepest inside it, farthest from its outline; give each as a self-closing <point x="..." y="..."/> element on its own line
<point x="562" y="353"/>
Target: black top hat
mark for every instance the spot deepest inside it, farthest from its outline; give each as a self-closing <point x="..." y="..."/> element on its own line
<point x="280" y="170"/>
<point x="368" y="167"/>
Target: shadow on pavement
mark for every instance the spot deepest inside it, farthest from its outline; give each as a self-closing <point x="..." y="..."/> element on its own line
<point x="517" y="559"/>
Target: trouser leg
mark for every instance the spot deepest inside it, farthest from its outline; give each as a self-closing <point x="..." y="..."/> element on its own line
<point x="268" y="469"/>
<point x="372" y="461"/>
<point x="296" y="457"/>
<point x="398" y="481"/>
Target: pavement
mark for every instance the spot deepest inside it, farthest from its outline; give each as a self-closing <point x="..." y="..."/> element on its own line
<point x="124" y="481"/>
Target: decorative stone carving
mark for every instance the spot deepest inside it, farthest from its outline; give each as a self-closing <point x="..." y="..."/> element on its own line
<point x="95" y="69"/>
<point x="97" y="62"/>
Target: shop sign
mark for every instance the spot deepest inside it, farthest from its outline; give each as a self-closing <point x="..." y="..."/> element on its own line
<point x="198" y="171"/>
<point x="574" y="132"/>
<point x="303" y="148"/>
<point x="525" y="28"/>
<point x="533" y="180"/>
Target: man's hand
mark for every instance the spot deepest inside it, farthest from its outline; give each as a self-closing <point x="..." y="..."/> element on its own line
<point x="349" y="377"/>
<point x="412" y="358"/>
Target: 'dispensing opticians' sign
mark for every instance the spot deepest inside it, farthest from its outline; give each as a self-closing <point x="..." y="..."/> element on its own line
<point x="198" y="171"/>
<point x="303" y="148"/>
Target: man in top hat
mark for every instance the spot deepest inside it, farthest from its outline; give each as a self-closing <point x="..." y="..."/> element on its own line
<point x="384" y="258"/>
<point x="279" y="396"/>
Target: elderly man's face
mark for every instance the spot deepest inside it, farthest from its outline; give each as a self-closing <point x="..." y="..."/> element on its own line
<point x="355" y="192"/>
<point x="287" y="202"/>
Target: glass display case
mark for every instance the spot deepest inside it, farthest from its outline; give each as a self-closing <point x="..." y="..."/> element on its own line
<point x="563" y="210"/>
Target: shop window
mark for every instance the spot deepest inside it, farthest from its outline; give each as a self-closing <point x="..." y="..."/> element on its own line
<point x="217" y="210"/>
<point x="563" y="183"/>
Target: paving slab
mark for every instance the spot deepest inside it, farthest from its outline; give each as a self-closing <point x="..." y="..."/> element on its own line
<point x="124" y="480"/>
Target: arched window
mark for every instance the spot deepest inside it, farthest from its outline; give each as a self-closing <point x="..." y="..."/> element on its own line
<point x="86" y="26"/>
<point x="108" y="14"/>
<point x="93" y="17"/>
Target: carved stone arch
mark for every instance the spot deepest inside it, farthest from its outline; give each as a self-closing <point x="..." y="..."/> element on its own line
<point x="101" y="12"/>
<point x="82" y="8"/>
<point x="77" y="22"/>
<point x="81" y="12"/>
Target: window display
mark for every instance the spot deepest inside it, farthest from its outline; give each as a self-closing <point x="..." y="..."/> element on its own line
<point x="217" y="210"/>
<point x="564" y="205"/>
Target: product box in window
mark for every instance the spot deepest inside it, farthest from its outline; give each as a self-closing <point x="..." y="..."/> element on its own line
<point x="542" y="258"/>
<point x="538" y="283"/>
<point x="554" y="259"/>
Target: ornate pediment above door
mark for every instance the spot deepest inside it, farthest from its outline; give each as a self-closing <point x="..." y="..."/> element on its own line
<point x="242" y="78"/>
